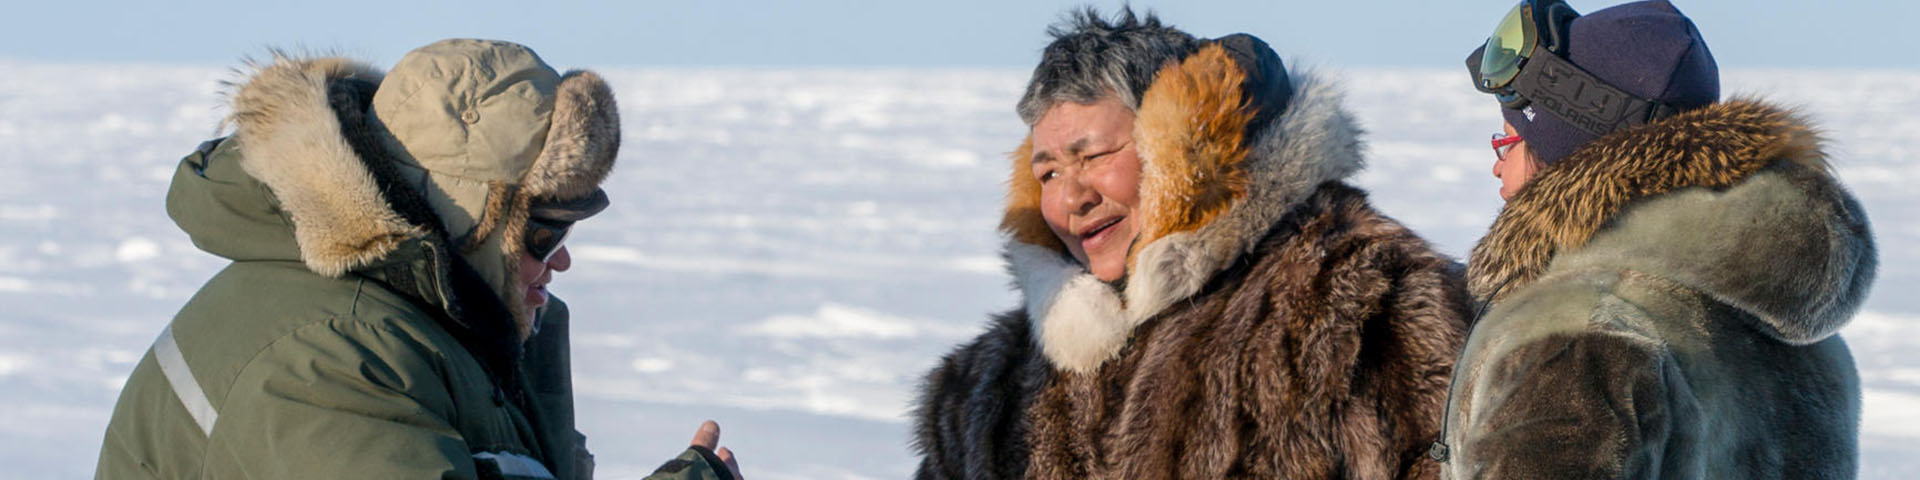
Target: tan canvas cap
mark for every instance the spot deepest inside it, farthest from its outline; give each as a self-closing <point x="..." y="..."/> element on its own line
<point x="470" y="123"/>
<point x="465" y="113"/>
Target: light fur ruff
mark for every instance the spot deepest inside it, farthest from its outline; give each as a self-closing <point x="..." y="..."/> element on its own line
<point x="292" y="141"/>
<point x="1207" y="195"/>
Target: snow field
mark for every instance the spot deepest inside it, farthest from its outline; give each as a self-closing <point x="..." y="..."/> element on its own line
<point x="788" y="250"/>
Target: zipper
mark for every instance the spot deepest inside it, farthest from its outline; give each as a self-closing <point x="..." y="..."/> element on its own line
<point x="1440" y="451"/>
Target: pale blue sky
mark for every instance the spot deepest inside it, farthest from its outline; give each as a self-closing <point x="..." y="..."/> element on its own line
<point x="979" y="33"/>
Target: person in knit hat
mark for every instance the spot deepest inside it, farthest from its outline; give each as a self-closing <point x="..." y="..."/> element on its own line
<point x="385" y="314"/>
<point x="1661" y="292"/>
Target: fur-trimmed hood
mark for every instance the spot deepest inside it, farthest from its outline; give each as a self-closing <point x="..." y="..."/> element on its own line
<point x="352" y="194"/>
<point x="1215" y="176"/>
<point x="308" y="176"/>
<point x="1734" y="199"/>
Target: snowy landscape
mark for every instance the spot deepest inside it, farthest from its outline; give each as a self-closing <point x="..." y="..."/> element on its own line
<point x="788" y="250"/>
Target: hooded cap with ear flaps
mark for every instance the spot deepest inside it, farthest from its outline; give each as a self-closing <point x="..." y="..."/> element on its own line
<point x="1229" y="142"/>
<point x="485" y="129"/>
<point x="481" y="129"/>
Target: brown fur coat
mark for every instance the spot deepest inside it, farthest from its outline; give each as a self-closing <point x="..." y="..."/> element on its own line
<point x="1273" y="324"/>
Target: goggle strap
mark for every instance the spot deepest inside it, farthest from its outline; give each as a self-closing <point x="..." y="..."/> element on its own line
<point x="1582" y="99"/>
<point x="1473" y="69"/>
<point x="1550" y="21"/>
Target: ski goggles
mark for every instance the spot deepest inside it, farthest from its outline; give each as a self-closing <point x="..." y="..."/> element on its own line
<point x="1532" y="28"/>
<point x="545" y="237"/>
<point x="550" y="223"/>
<point x="1524" y="64"/>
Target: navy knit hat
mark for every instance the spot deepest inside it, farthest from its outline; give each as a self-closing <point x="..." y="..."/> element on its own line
<point x="1646" y="48"/>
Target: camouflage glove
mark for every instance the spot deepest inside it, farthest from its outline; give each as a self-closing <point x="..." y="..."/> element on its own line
<point x="696" y="463"/>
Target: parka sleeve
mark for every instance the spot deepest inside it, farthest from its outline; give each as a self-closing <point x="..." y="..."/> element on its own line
<point x="339" y="399"/>
<point x="1585" y="405"/>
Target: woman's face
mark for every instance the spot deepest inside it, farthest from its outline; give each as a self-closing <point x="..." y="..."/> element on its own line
<point x="1515" y="167"/>
<point x="1089" y="175"/>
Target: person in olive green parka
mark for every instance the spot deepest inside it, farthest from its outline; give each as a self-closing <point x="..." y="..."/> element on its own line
<point x="385" y="314"/>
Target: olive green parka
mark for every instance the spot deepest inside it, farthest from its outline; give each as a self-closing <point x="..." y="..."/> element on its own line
<point x="349" y="338"/>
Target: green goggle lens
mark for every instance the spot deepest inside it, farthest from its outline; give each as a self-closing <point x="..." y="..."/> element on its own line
<point x="1512" y="42"/>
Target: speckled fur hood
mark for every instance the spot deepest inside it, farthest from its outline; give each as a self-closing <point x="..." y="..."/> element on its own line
<point x="1801" y="266"/>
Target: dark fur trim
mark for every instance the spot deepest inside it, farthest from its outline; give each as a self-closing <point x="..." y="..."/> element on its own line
<point x="970" y="421"/>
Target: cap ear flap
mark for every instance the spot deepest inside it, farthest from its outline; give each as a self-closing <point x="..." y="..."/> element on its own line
<point x="583" y="137"/>
<point x="1023" y="220"/>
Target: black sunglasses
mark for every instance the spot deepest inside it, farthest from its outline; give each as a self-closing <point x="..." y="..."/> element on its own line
<point x="545" y="237"/>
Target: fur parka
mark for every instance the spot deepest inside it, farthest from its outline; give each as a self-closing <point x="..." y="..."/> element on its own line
<point x="1272" y="324"/>
<point x="1664" y="303"/>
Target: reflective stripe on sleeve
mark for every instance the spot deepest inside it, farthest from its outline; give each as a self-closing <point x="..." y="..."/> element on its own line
<point x="516" y="465"/>
<point x="174" y="366"/>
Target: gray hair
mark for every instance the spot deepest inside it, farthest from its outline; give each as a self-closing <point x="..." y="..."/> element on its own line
<point x="1093" y="58"/>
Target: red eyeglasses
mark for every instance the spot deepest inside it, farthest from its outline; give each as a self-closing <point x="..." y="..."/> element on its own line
<point x="1503" y="143"/>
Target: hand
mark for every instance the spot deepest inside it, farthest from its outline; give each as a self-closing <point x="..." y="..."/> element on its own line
<point x="709" y="436"/>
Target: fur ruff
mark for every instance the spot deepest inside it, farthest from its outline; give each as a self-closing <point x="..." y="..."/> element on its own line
<point x="303" y="130"/>
<point x="1208" y="193"/>
<point x="1803" y="283"/>
<point x="292" y="142"/>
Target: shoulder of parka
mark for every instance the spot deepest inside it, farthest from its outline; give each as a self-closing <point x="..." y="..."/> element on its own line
<point x="383" y="385"/>
<point x="1599" y="402"/>
<point x="970" y="420"/>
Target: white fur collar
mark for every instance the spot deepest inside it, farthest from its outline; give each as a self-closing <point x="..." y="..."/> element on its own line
<point x="1082" y="322"/>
